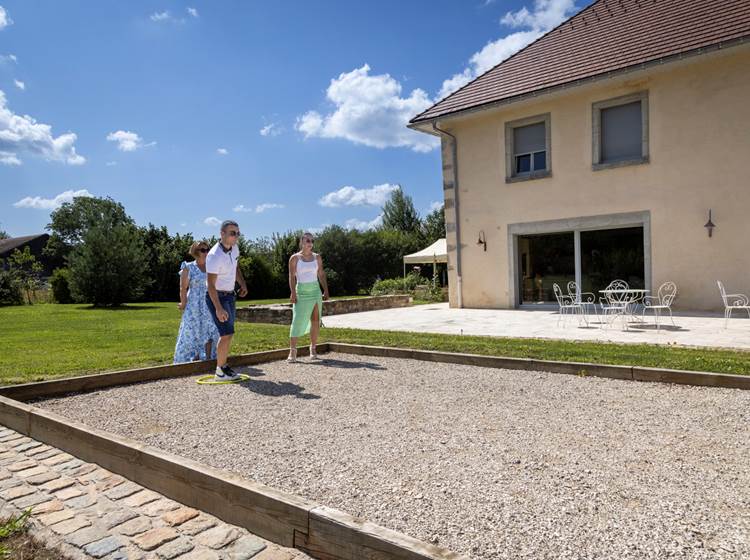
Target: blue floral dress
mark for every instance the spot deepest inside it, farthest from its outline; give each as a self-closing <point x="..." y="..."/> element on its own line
<point x="197" y="326"/>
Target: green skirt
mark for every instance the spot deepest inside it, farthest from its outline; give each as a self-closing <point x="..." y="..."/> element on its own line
<point x="308" y="296"/>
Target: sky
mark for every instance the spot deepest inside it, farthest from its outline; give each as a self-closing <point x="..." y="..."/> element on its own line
<point x="280" y="115"/>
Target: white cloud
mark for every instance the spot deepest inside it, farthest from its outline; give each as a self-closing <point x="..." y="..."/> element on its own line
<point x="128" y="141"/>
<point x="222" y="151"/>
<point x="369" y="110"/>
<point x="271" y="130"/>
<point x="6" y="58"/>
<point x="435" y="205"/>
<point x="259" y="209"/>
<point x="5" y="20"/>
<point x="267" y="206"/>
<point x="111" y="163"/>
<point x="19" y="84"/>
<point x="40" y="203"/>
<point x="9" y="158"/>
<point x="545" y="15"/>
<point x="22" y="133"/>
<point x="212" y="221"/>
<point x="192" y="12"/>
<point x="351" y="196"/>
<point x="160" y="16"/>
<point x="363" y="225"/>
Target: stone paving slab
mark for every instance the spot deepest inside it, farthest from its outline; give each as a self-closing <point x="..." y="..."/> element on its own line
<point x="90" y="513"/>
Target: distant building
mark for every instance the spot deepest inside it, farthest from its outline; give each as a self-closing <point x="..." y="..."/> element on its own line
<point x="597" y="152"/>
<point x="35" y="243"/>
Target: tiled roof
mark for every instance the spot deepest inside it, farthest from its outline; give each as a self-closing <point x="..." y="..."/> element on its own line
<point x="607" y="36"/>
<point x="7" y="245"/>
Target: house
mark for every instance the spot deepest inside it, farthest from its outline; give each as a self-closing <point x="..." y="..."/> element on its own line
<point x="35" y="243"/>
<point x="598" y="152"/>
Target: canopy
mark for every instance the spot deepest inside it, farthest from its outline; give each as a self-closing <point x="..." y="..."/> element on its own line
<point x="437" y="252"/>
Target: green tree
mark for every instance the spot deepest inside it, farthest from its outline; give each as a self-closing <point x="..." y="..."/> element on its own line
<point x="433" y="226"/>
<point x="27" y="271"/>
<point x="60" y="284"/>
<point x="107" y="268"/>
<point x="70" y="223"/>
<point x="4" y="234"/>
<point x="163" y="254"/>
<point x="10" y="289"/>
<point x="399" y="213"/>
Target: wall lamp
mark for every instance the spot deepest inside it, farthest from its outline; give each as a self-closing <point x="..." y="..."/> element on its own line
<point x="709" y="224"/>
<point x="482" y="240"/>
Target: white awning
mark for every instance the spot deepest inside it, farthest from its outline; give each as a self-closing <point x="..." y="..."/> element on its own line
<point x="437" y="252"/>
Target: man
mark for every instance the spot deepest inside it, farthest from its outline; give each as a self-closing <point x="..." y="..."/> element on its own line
<point x="222" y="266"/>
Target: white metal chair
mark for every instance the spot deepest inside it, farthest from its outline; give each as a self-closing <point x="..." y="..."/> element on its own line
<point x="732" y="302"/>
<point x="567" y="305"/>
<point x="616" y="304"/>
<point x="585" y="299"/>
<point x="661" y="301"/>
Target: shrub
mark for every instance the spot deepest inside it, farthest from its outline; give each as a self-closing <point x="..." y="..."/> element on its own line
<point x="10" y="288"/>
<point x="392" y="286"/>
<point x="60" y="283"/>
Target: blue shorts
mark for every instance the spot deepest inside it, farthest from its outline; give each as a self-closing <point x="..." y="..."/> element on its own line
<point x="227" y="302"/>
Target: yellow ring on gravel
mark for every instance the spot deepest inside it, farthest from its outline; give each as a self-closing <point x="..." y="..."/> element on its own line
<point x="211" y="380"/>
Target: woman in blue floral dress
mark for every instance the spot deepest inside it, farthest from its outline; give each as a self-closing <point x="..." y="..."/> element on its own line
<point x="198" y="334"/>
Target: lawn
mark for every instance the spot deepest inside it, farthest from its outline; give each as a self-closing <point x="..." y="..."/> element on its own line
<point x="47" y="341"/>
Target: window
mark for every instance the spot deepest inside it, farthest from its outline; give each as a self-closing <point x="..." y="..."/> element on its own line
<point x="527" y="146"/>
<point x="620" y="129"/>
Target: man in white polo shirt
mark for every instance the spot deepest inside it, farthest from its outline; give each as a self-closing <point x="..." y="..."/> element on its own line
<point x="222" y="266"/>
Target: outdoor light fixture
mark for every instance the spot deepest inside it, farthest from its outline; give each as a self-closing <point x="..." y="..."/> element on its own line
<point x="482" y="240"/>
<point x="709" y="224"/>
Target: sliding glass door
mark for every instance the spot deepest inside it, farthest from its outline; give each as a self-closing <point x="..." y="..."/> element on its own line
<point x="545" y="260"/>
<point x="611" y="254"/>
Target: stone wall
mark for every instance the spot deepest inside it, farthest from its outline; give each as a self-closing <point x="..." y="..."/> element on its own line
<point x="281" y="313"/>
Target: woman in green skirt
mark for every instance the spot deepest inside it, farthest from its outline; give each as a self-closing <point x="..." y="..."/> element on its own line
<point x="306" y="275"/>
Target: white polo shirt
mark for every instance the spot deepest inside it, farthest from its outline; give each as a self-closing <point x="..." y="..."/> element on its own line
<point x="224" y="264"/>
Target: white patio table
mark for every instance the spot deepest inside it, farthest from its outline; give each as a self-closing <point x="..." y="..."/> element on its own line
<point x="625" y="297"/>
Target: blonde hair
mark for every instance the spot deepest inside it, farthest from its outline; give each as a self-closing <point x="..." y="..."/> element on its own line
<point x="195" y="246"/>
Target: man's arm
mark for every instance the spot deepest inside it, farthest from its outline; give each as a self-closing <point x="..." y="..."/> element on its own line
<point x="241" y="280"/>
<point x="221" y="315"/>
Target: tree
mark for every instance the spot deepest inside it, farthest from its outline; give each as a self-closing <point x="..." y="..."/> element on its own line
<point x="4" y="234"/>
<point x="107" y="268"/>
<point x="399" y="213"/>
<point x="434" y="225"/>
<point x="27" y="271"/>
<point x="10" y="290"/>
<point x="70" y="223"/>
<point x="163" y="254"/>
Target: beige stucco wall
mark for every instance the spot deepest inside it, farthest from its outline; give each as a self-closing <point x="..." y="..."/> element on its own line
<point x="699" y="135"/>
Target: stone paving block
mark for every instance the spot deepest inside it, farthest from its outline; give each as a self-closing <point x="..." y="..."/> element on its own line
<point x="58" y="484"/>
<point x="27" y="446"/>
<point x="70" y="465"/>
<point x="71" y="525"/>
<point x="135" y="526"/>
<point x="81" y="470"/>
<point x="274" y="553"/>
<point x="179" y="516"/>
<point x="82" y="502"/>
<point x="68" y="493"/>
<point x="27" y="473"/>
<point x="16" y="443"/>
<point x="159" y="507"/>
<point x="85" y="536"/>
<point x="198" y="525"/>
<point x="102" y="507"/>
<point x="155" y="538"/>
<point x="175" y="548"/>
<point x="110" y="482"/>
<point x="32" y="500"/>
<point x="9" y="483"/>
<point x="22" y="465"/>
<point x="47" y="507"/>
<point x="201" y="554"/>
<point x="47" y="454"/>
<point x="5" y="474"/>
<point x="42" y="478"/>
<point x="17" y="492"/>
<point x="57" y="459"/>
<point x="57" y="516"/>
<point x="123" y="491"/>
<point x="141" y="498"/>
<point x="219" y="537"/>
<point x="130" y="553"/>
<point x="10" y="437"/>
<point x="118" y="517"/>
<point x="95" y="475"/>
<point x="100" y="548"/>
<point x="7" y="455"/>
<point x="246" y="547"/>
<point x="37" y="450"/>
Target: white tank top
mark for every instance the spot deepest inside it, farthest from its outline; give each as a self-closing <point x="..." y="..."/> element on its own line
<point x="307" y="271"/>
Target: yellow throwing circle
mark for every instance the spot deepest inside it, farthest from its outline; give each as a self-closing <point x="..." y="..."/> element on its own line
<point x="211" y="380"/>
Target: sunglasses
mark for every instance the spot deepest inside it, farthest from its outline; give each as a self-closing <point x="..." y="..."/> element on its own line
<point x="307" y="240"/>
<point x="233" y="233"/>
<point x="203" y="250"/>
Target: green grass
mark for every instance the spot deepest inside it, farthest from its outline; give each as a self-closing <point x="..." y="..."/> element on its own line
<point x="49" y="341"/>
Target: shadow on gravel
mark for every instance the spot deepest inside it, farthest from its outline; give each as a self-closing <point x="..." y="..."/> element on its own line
<point x="341" y="364"/>
<point x="277" y="389"/>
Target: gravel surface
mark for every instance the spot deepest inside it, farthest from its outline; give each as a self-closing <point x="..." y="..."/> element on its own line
<point x="490" y="463"/>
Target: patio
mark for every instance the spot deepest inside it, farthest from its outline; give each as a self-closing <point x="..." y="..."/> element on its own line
<point x="693" y="329"/>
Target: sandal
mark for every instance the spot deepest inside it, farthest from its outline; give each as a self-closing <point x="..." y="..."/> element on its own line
<point x="292" y="356"/>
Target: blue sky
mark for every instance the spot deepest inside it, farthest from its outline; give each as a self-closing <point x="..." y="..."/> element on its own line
<point x="282" y="115"/>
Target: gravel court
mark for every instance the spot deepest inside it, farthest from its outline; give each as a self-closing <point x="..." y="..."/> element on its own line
<point x="487" y="462"/>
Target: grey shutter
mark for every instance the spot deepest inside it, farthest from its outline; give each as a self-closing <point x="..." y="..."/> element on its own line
<point x="622" y="131"/>
<point x="529" y="138"/>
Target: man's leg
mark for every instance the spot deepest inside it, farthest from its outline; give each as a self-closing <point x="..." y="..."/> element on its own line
<point x="222" y="350"/>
